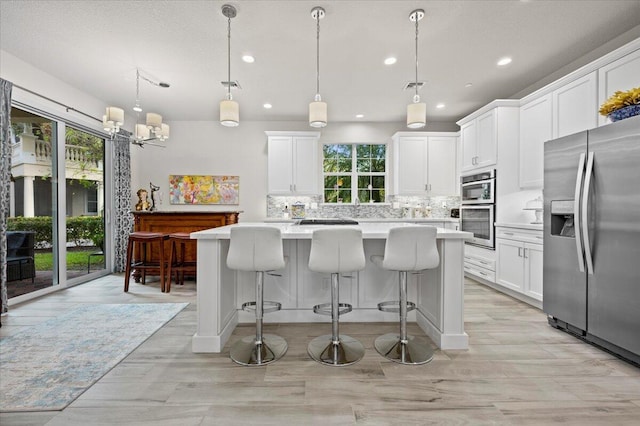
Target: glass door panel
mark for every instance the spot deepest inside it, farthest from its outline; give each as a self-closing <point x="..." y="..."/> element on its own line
<point x="32" y="255"/>
<point x="84" y="191"/>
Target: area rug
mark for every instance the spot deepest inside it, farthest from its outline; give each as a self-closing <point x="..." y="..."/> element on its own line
<point x="47" y="366"/>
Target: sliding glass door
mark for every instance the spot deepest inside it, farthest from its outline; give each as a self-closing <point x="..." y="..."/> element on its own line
<point x="56" y="229"/>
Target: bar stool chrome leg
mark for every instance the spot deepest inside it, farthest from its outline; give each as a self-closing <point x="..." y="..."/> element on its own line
<point x="259" y="349"/>
<point x="402" y="348"/>
<point x="335" y="349"/>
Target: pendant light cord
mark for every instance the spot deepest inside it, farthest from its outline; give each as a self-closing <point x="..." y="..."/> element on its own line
<point x="416" y="98"/>
<point x="229" y="57"/>
<point x="318" y="53"/>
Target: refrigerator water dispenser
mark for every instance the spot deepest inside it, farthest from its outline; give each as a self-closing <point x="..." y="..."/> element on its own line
<point x="562" y="215"/>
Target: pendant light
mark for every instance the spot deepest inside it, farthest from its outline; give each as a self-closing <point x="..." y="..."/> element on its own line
<point x="229" y="109"/>
<point x="317" y="108"/>
<point x="417" y="111"/>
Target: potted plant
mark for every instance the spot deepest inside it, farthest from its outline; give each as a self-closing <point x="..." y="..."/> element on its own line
<point x="622" y="105"/>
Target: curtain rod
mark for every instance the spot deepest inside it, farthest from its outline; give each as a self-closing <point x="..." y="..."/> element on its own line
<point x="67" y="107"/>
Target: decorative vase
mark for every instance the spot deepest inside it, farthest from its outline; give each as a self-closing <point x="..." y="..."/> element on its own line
<point x="626" y="112"/>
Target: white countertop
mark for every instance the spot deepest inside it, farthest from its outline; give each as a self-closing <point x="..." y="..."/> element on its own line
<point x="291" y="231"/>
<point x="532" y="226"/>
<point x="377" y="219"/>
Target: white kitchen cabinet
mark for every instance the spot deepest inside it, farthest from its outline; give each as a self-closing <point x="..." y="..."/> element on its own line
<point x="575" y="106"/>
<point x="293" y="165"/>
<point x="480" y="263"/>
<point x="535" y="129"/>
<point x="452" y="225"/>
<point x="519" y="261"/>
<point x="622" y="74"/>
<point x="479" y="142"/>
<point x="425" y="164"/>
<point x="483" y="132"/>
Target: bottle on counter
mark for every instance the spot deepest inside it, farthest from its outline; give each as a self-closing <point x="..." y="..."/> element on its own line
<point x="285" y="212"/>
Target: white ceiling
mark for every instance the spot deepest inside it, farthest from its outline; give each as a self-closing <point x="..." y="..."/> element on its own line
<point x="96" y="46"/>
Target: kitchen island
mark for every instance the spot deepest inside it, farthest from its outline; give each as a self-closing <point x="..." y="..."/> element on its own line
<point x="438" y="293"/>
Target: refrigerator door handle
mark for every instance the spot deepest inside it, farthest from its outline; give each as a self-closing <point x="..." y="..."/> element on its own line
<point x="585" y="213"/>
<point x="576" y="213"/>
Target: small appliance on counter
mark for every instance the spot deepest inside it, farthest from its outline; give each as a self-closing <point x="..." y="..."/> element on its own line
<point x="455" y="213"/>
<point x="536" y="206"/>
<point x="298" y="210"/>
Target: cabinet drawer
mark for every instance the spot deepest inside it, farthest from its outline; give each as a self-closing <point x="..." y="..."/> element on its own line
<point x="524" y="235"/>
<point x="480" y="272"/>
<point x="480" y="262"/>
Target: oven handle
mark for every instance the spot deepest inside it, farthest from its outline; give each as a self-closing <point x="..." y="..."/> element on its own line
<point x="477" y="182"/>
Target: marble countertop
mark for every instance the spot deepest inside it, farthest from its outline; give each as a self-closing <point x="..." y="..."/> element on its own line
<point x="377" y="219"/>
<point x="532" y="226"/>
<point x="292" y="231"/>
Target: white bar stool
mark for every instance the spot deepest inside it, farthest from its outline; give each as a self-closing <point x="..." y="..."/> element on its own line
<point x="408" y="248"/>
<point x="258" y="249"/>
<point x="334" y="251"/>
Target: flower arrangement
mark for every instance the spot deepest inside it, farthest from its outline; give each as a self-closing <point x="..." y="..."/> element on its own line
<point x="622" y="105"/>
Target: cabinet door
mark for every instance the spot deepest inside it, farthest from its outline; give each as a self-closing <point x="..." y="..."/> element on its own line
<point x="487" y="143"/>
<point x="533" y="270"/>
<point x="305" y="165"/>
<point x="622" y="74"/>
<point x="535" y="130"/>
<point x="452" y="225"/>
<point x="510" y="268"/>
<point x="441" y="166"/>
<point x="411" y="173"/>
<point x="280" y="165"/>
<point x="574" y="106"/>
<point x="468" y="139"/>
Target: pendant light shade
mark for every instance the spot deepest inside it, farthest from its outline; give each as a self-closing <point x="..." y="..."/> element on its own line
<point x="229" y="109"/>
<point x="318" y="113"/>
<point x="417" y="111"/>
<point x="317" y="108"/>
<point x="229" y="113"/>
<point x="416" y="115"/>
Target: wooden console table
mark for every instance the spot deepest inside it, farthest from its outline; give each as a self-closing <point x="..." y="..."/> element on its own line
<point x="178" y="221"/>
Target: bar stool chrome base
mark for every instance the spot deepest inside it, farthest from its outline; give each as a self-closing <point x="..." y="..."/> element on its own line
<point x="348" y="351"/>
<point x="415" y="351"/>
<point x="247" y="352"/>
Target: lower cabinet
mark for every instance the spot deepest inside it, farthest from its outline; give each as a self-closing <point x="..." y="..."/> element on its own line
<point x="519" y="261"/>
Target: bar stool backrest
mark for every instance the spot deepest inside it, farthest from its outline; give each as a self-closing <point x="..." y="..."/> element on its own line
<point x="255" y="248"/>
<point x="411" y="248"/>
<point x="336" y="250"/>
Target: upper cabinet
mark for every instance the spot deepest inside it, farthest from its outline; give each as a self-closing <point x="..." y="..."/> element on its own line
<point x="575" y="106"/>
<point x="293" y="165"/>
<point x="535" y="129"/>
<point x="622" y="74"/>
<point x="479" y="143"/>
<point x="483" y="132"/>
<point x="425" y="163"/>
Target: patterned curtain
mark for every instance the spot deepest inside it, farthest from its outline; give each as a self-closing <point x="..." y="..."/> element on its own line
<point x="123" y="223"/>
<point x="5" y="178"/>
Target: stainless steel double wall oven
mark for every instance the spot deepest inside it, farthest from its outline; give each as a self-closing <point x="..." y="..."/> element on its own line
<point x="477" y="212"/>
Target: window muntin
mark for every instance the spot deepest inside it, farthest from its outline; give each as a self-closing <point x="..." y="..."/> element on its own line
<point x="354" y="171"/>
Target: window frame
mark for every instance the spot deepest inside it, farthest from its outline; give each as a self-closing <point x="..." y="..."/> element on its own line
<point x="354" y="174"/>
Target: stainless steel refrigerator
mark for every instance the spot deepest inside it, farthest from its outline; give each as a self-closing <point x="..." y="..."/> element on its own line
<point x="592" y="236"/>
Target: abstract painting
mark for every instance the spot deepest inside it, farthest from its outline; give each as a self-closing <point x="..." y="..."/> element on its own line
<point x="201" y="189"/>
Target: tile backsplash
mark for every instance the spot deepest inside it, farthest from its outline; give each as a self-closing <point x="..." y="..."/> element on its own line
<point x="396" y="207"/>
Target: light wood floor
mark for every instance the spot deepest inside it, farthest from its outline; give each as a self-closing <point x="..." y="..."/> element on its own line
<point x="517" y="371"/>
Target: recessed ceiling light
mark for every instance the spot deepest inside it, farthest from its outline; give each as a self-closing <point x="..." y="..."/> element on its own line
<point x="504" y="61"/>
<point x="468" y="85"/>
<point x="248" y="59"/>
<point x="359" y="115"/>
<point x="439" y="106"/>
<point x="267" y="106"/>
<point x="390" y="60"/>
